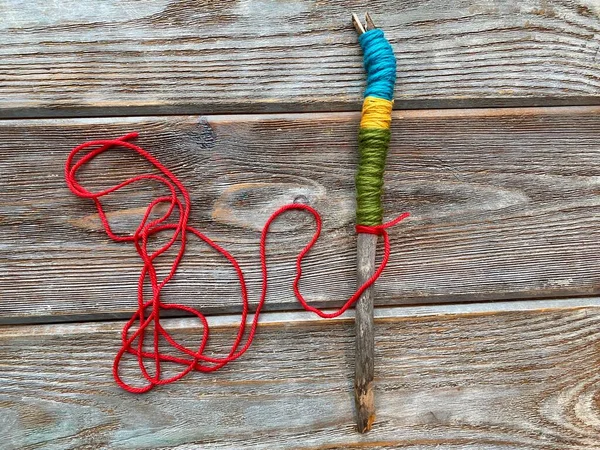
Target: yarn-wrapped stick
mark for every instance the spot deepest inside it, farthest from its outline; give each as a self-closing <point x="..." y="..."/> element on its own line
<point x="373" y="143"/>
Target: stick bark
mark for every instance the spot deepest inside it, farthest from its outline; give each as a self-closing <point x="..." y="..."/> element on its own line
<point x="365" y="338"/>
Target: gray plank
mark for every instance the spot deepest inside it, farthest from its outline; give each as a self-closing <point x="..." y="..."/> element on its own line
<point x="98" y="57"/>
<point x="517" y="378"/>
<point x="504" y="205"/>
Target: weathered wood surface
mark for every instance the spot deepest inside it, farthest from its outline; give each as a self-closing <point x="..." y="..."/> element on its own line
<point x="504" y="205"/>
<point x="122" y="57"/>
<point x="510" y="380"/>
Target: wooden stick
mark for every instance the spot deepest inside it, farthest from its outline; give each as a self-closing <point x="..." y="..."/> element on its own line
<point x="364" y="396"/>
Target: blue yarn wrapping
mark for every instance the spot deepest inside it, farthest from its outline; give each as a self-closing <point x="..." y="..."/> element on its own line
<point x="380" y="64"/>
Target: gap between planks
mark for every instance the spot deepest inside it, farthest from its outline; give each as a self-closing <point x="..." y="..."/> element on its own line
<point x="292" y="108"/>
<point x="488" y="111"/>
<point x="296" y="317"/>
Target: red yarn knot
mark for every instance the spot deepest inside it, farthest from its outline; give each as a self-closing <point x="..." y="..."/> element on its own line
<point x="380" y="229"/>
<point x="175" y="221"/>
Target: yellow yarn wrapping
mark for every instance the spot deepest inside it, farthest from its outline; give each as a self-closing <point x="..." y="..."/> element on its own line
<point x="376" y="113"/>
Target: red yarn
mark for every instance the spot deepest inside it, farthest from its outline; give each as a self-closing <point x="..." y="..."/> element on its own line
<point x="149" y="310"/>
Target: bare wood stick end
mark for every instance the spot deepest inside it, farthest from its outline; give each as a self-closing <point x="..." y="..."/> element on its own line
<point x="364" y="395"/>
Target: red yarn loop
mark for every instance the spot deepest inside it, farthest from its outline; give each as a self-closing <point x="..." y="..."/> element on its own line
<point x="149" y="309"/>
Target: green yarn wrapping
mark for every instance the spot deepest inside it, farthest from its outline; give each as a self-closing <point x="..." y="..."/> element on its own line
<point x="373" y="145"/>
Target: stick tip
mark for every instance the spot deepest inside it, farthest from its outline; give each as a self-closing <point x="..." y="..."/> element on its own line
<point x="365" y="407"/>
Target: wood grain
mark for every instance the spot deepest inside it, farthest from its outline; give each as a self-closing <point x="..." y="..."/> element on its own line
<point x="512" y="380"/>
<point x="109" y="57"/>
<point x="505" y="204"/>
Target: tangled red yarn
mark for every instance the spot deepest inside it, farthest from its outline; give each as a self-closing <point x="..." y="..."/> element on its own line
<point x="148" y="311"/>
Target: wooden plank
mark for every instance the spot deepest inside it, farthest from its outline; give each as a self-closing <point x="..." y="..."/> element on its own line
<point x="504" y="205"/>
<point x="523" y="379"/>
<point x="99" y="57"/>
